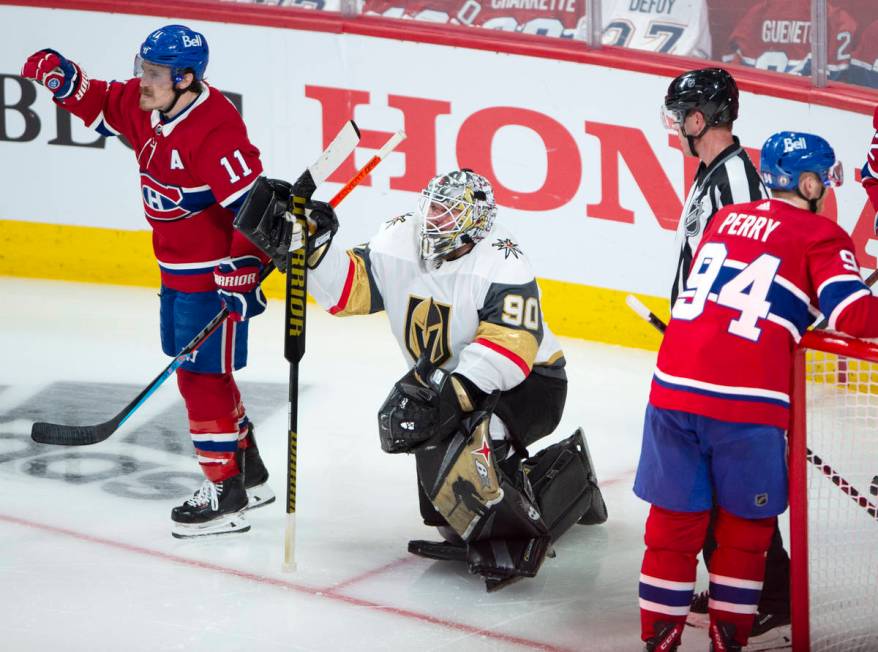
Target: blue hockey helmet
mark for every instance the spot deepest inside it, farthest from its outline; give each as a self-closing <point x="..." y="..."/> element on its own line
<point x="177" y="47"/>
<point x="787" y="154"/>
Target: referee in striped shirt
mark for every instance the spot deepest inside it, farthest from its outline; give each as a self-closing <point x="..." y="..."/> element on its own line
<point x="700" y="107"/>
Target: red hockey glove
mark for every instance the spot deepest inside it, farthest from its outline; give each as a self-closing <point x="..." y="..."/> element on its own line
<point x="237" y="281"/>
<point x="61" y="76"/>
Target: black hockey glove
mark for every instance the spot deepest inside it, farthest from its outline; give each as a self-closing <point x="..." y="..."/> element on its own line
<point x="264" y="219"/>
<point x="420" y="409"/>
<point x="322" y="225"/>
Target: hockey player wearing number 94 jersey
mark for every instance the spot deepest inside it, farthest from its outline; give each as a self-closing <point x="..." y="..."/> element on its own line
<point x="718" y="410"/>
<point x="486" y="375"/>
<point x="196" y="167"/>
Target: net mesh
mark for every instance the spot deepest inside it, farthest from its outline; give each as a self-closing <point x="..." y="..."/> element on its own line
<point x="842" y="437"/>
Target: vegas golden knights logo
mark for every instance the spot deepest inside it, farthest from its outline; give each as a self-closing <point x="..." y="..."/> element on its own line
<point x="426" y="329"/>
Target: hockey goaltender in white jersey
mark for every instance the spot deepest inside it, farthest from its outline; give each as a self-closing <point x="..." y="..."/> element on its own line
<point x="486" y="375"/>
<point x="478" y="314"/>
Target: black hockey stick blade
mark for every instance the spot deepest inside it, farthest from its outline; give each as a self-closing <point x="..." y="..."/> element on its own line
<point x="63" y="435"/>
<point x="56" y="433"/>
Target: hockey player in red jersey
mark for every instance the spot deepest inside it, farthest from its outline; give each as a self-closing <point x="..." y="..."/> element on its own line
<point x="196" y="166"/>
<point x="718" y="410"/>
<point x="870" y="169"/>
<point x="863" y="70"/>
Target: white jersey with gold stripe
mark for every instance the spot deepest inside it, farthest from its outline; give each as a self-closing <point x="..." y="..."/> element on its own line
<point x="479" y="315"/>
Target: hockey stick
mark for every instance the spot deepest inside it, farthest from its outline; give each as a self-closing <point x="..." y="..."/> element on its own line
<point x="844" y="485"/>
<point x="294" y="340"/>
<point x="54" y="433"/>
<point x="642" y="311"/>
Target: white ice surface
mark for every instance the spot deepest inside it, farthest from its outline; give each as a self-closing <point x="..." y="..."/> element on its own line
<point x="86" y="569"/>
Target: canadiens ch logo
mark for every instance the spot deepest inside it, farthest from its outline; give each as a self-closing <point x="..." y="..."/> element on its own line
<point x="161" y="202"/>
<point x="508" y="248"/>
<point x="426" y="329"/>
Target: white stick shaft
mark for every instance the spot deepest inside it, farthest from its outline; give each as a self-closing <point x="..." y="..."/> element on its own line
<point x="290" y="544"/>
<point x="637" y="306"/>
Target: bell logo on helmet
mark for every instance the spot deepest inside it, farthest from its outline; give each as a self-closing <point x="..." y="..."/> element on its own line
<point x="792" y="144"/>
<point x="192" y="41"/>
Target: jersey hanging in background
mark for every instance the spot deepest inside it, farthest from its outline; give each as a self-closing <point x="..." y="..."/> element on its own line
<point x="863" y="70"/>
<point x="479" y="315"/>
<point x="776" y="35"/>
<point x="763" y="273"/>
<point x="669" y="26"/>
<point x="193" y="168"/>
<point x="558" y="18"/>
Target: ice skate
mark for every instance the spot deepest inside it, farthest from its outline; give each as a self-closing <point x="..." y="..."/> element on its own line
<point x="255" y="474"/>
<point x="215" y="508"/>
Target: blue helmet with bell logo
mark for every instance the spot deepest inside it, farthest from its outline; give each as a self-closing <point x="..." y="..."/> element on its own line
<point x="787" y="154"/>
<point x="177" y="47"/>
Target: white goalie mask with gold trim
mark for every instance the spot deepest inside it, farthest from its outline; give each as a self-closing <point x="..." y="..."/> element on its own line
<point x="454" y="209"/>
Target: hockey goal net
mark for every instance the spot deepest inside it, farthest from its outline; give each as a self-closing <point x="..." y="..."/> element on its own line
<point x="834" y="494"/>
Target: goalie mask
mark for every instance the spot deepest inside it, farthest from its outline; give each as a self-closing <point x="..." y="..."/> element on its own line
<point x="454" y="209"/>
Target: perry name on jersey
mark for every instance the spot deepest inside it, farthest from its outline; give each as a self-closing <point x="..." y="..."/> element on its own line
<point x="195" y="170"/>
<point x="762" y="274"/>
<point x="479" y="315"/>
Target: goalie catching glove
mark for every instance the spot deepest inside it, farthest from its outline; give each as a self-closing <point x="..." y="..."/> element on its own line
<point x="426" y="404"/>
<point x="266" y="220"/>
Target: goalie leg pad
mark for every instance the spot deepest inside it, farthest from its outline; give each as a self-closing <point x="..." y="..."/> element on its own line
<point x="565" y="486"/>
<point x="501" y="561"/>
<point x="503" y="528"/>
<point x="438" y="550"/>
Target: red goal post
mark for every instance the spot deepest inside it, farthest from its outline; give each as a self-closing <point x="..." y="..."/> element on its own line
<point x="833" y="475"/>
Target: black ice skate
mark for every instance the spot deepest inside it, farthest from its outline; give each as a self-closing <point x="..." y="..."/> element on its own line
<point x="255" y="474"/>
<point x="770" y="632"/>
<point x="698" y="616"/>
<point x="722" y="638"/>
<point x="666" y="639"/>
<point x="216" y="508"/>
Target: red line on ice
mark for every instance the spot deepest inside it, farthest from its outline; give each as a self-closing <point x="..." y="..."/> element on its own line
<point x="370" y="573"/>
<point x="328" y="593"/>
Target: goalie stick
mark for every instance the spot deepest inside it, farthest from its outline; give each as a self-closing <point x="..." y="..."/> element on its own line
<point x="643" y="312"/>
<point x="338" y="150"/>
<point x="294" y="341"/>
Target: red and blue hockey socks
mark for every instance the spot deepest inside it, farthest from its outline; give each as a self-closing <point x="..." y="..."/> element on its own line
<point x="216" y="421"/>
<point x="737" y="568"/>
<point x="667" y="577"/>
